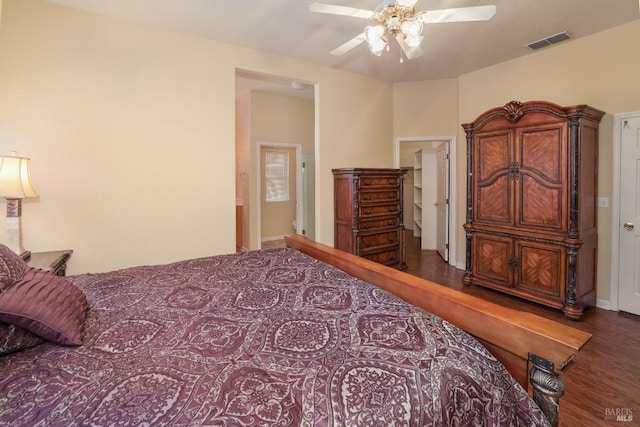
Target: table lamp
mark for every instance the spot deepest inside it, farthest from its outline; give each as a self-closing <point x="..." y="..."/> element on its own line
<point x="15" y="185"/>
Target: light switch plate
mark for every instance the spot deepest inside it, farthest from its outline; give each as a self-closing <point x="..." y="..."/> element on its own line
<point x="603" y="202"/>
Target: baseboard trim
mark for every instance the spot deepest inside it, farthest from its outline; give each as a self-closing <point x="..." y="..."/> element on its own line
<point x="272" y="238"/>
<point x="603" y="303"/>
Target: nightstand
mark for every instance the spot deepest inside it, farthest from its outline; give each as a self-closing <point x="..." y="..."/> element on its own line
<point x="53" y="261"/>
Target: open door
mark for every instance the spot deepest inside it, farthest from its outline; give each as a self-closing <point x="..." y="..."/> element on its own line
<point x="309" y="197"/>
<point x="442" y="201"/>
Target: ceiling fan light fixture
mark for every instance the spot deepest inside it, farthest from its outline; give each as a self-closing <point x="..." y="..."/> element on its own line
<point x="411" y="28"/>
<point x="378" y="46"/>
<point x="397" y="21"/>
<point x="413" y="40"/>
<point x="375" y="37"/>
<point x="374" y="33"/>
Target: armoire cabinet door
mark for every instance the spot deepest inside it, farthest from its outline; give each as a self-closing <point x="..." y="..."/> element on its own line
<point x="493" y="260"/>
<point x="542" y="270"/>
<point x="536" y="269"/>
<point x="541" y="169"/>
<point x="493" y="195"/>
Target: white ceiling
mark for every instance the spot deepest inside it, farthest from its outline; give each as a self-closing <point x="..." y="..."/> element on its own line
<point x="286" y="27"/>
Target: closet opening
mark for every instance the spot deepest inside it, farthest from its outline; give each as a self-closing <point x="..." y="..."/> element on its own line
<point x="429" y="193"/>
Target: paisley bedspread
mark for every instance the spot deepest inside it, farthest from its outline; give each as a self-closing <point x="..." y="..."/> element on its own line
<point x="262" y="338"/>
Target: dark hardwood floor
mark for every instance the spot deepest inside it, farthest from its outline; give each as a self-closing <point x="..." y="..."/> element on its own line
<point x="604" y="380"/>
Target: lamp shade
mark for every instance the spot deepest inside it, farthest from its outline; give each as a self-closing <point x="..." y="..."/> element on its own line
<point x="15" y="177"/>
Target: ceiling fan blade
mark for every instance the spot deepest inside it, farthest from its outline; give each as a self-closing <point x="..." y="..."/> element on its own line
<point x="462" y="14"/>
<point x="406" y="3"/>
<point x="410" y="52"/>
<point x="340" y="10"/>
<point x="346" y="47"/>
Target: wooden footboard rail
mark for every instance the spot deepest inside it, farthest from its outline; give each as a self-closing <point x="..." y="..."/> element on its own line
<point x="518" y="339"/>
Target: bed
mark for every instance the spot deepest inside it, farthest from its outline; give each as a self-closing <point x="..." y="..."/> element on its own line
<point x="272" y="337"/>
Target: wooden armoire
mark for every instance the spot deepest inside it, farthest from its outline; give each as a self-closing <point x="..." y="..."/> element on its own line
<point x="531" y="203"/>
<point x="368" y="214"/>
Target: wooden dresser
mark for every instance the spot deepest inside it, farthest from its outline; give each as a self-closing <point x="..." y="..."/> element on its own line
<point x="531" y="203"/>
<point x="368" y="214"/>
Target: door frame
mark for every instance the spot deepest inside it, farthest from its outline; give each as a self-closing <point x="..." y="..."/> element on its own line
<point x="299" y="186"/>
<point x="451" y="141"/>
<point x="614" y="292"/>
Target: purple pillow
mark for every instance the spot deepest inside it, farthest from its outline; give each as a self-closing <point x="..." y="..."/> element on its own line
<point x="45" y="304"/>
<point x="13" y="338"/>
<point x="11" y="266"/>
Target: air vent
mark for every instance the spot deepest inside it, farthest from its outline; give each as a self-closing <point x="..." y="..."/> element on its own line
<point x="549" y="41"/>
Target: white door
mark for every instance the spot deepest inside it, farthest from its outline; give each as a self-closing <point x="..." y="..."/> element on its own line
<point x="629" y="227"/>
<point x="309" y="197"/>
<point x="442" y="201"/>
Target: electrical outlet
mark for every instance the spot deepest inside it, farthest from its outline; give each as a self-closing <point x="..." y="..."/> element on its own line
<point x="603" y="202"/>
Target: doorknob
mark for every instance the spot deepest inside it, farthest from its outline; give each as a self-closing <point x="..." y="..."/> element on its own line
<point x="628" y="226"/>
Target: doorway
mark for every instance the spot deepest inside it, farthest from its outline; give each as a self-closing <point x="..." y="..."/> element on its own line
<point x="441" y="173"/>
<point x="280" y="191"/>
<point x="272" y="108"/>
<point x="625" y="234"/>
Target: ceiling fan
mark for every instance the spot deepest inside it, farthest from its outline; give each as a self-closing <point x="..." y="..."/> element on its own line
<point x="398" y="19"/>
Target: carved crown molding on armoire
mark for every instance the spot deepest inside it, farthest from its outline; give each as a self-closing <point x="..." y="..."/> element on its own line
<point x="531" y="220"/>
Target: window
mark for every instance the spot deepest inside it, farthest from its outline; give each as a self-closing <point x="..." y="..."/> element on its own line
<point x="277" y="176"/>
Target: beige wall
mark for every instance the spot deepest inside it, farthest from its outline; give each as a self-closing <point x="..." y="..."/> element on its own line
<point x="427" y="108"/>
<point x="277" y="118"/>
<point x="131" y="131"/>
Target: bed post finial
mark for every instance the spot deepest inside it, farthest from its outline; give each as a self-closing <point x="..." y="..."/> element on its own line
<point x="548" y="386"/>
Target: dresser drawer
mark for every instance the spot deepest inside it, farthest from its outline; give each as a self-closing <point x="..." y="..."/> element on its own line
<point x="387" y="257"/>
<point x="379" y="181"/>
<point x="369" y="223"/>
<point x="370" y="242"/>
<point x="379" y="209"/>
<point x="369" y="195"/>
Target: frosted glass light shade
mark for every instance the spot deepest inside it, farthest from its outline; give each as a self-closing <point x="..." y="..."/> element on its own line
<point x="375" y="38"/>
<point x="413" y="41"/>
<point x="374" y="33"/>
<point x="412" y="28"/>
<point x="377" y="47"/>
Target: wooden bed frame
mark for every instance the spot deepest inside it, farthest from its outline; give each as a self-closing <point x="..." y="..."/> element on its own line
<point x="533" y="349"/>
